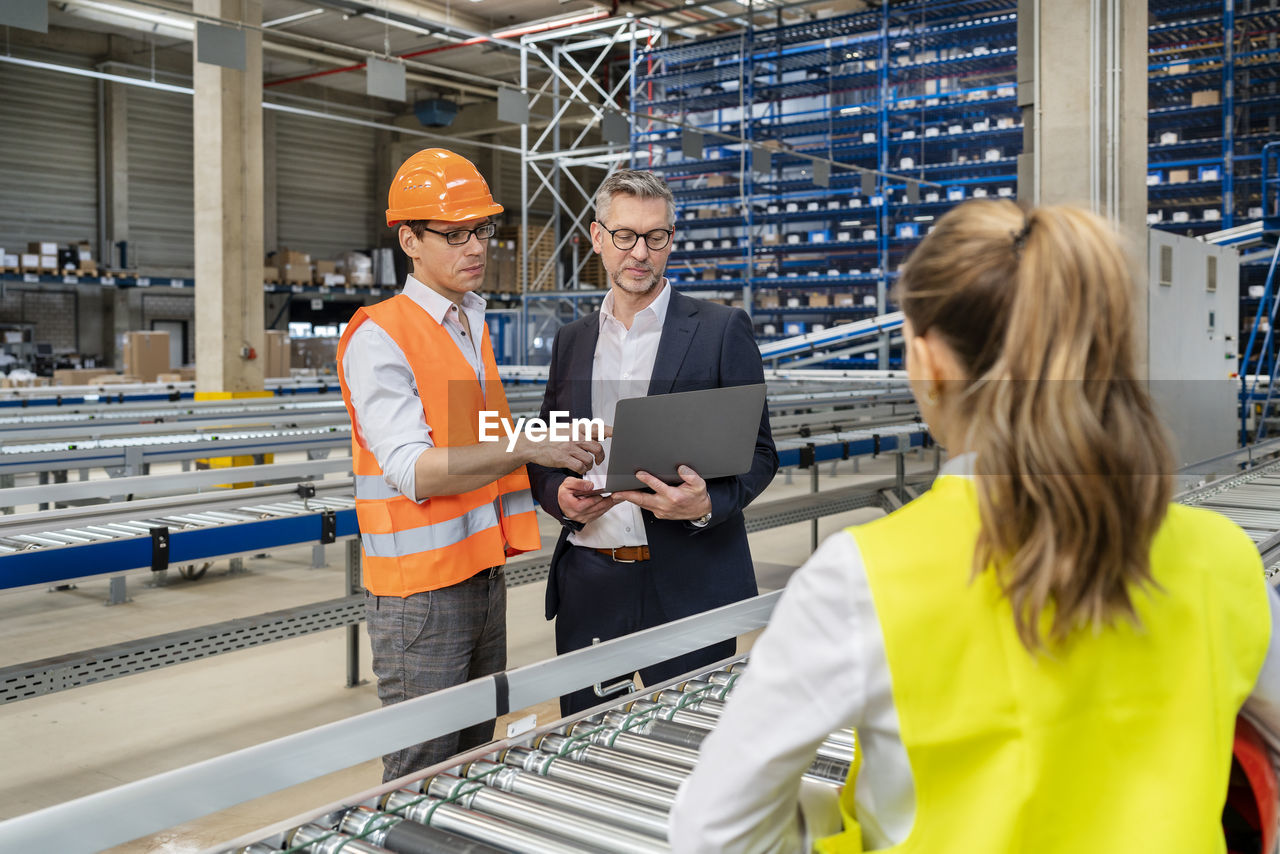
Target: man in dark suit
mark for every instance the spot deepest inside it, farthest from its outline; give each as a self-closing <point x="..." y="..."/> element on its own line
<point x="637" y="559"/>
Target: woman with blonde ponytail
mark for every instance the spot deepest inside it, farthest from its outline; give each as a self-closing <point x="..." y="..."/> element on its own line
<point x="1041" y="654"/>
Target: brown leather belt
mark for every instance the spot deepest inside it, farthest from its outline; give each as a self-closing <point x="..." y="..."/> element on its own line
<point x="626" y="554"/>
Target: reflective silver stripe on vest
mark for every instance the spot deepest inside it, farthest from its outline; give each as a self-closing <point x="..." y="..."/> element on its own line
<point x="430" y="537"/>
<point x="372" y="487"/>
<point x="518" y="502"/>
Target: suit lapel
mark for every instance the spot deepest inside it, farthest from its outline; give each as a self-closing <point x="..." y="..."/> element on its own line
<point x="582" y="365"/>
<point x="677" y="334"/>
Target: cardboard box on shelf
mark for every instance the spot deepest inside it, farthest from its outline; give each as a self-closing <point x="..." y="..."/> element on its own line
<point x="1206" y="98"/>
<point x="187" y="374"/>
<point x="296" y="275"/>
<point x="42" y="247"/>
<point x="10" y="262"/>
<point x="1179" y="176"/>
<point x="709" y="274"/>
<point x="500" y="268"/>
<point x="49" y="263"/>
<point x="767" y="300"/>
<point x="270" y="273"/>
<point x="819" y="300"/>
<point x="275" y="355"/>
<point x="717" y="180"/>
<point x="322" y="268"/>
<point x="320" y="354"/>
<point x="75" y="376"/>
<point x="146" y="354"/>
<point x="171" y="377"/>
<point x="29" y="262"/>
<point x="844" y="300"/>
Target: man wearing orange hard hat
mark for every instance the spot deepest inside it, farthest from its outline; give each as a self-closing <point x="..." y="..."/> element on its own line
<point x="439" y="509"/>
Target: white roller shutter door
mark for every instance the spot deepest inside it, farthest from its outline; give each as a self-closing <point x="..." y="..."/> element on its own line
<point x="161" y="183"/>
<point x="48" y="155"/>
<point x="325" y="186"/>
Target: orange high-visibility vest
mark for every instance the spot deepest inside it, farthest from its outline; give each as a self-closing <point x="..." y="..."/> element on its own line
<point x="408" y="546"/>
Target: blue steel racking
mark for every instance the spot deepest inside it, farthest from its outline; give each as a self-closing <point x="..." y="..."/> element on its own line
<point x="1214" y="90"/>
<point x="923" y="89"/>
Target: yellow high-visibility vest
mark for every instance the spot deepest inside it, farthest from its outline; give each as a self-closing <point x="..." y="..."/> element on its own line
<point x="1117" y="742"/>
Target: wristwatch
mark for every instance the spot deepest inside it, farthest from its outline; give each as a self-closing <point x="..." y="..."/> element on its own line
<point x="702" y="521"/>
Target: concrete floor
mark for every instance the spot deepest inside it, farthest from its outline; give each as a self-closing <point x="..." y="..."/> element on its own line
<point x="76" y="742"/>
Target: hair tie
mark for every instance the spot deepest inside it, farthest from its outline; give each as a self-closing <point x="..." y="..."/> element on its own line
<point x="1020" y="238"/>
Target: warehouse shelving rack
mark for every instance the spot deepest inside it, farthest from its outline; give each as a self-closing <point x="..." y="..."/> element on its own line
<point x="925" y="89"/>
<point x="1214" y="90"/>
<point x="918" y="90"/>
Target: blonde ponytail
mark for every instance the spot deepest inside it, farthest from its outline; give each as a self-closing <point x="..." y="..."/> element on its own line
<point x="1072" y="464"/>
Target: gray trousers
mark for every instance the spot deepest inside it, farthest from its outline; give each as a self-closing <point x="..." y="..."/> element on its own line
<point x="435" y="640"/>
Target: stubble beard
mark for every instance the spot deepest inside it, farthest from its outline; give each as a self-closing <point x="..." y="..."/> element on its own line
<point x="631" y="287"/>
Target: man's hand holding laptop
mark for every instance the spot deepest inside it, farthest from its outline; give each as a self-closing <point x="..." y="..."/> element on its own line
<point x="688" y="500"/>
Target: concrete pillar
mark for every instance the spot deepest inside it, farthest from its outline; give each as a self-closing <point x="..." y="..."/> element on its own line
<point x="1082" y="87"/>
<point x="229" y="213"/>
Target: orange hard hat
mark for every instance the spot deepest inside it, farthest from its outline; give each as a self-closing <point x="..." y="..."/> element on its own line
<point x="438" y="184"/>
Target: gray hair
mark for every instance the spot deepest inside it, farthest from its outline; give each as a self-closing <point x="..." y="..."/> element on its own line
<point x="632" y="182"/>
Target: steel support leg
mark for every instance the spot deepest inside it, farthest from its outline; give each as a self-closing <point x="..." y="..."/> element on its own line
<point x="900" y="476"/>
<point x="318" y="560"/>
<point x="354" y="586"/>
<point x="118" y="591"/>
<point x="813" y="525"/>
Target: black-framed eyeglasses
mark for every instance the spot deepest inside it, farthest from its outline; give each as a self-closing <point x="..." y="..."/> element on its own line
<point x="625" y="238"/>
<point x="462" y="235"/>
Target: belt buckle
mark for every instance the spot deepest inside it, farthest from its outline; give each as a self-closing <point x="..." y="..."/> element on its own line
<point x="613" y="553"/>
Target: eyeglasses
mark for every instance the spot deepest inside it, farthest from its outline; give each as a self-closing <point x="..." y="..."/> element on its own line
<point x="462" y="235"/>
<point x="625" y="238"/>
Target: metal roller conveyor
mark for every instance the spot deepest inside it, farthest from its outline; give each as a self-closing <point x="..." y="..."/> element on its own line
<point x="321" y="840"/>
<point x="601" y="783"/>
<point x="583" y="774"/>
<point x="399" y="835"/>
<point x="602" y="756"/>
<point x="598" y="835"/>
<point x="686" y="706"/>
<point x="635" y="742"/>
<point x="438" y="813"/>
<point x="621" y="812"/>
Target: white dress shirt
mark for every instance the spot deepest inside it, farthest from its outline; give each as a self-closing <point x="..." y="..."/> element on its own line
<point x="821" y="665"/>
<point x="622" y="368"/>
<point x="389" y="416"/>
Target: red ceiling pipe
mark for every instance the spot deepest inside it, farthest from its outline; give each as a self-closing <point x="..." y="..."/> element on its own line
<point x="505" y="34"/>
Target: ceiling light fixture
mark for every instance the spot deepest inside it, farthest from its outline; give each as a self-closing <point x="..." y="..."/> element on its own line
<point x="138" y="14"/>
<point x="289" y="19"/>
<point x="400" y="25"/>
<point x="589" y="27"/>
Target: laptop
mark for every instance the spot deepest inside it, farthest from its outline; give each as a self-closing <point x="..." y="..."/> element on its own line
<point x="713" y="431"/>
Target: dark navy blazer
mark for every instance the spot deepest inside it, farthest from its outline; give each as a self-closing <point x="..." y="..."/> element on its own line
<point x="703" y="345"/>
